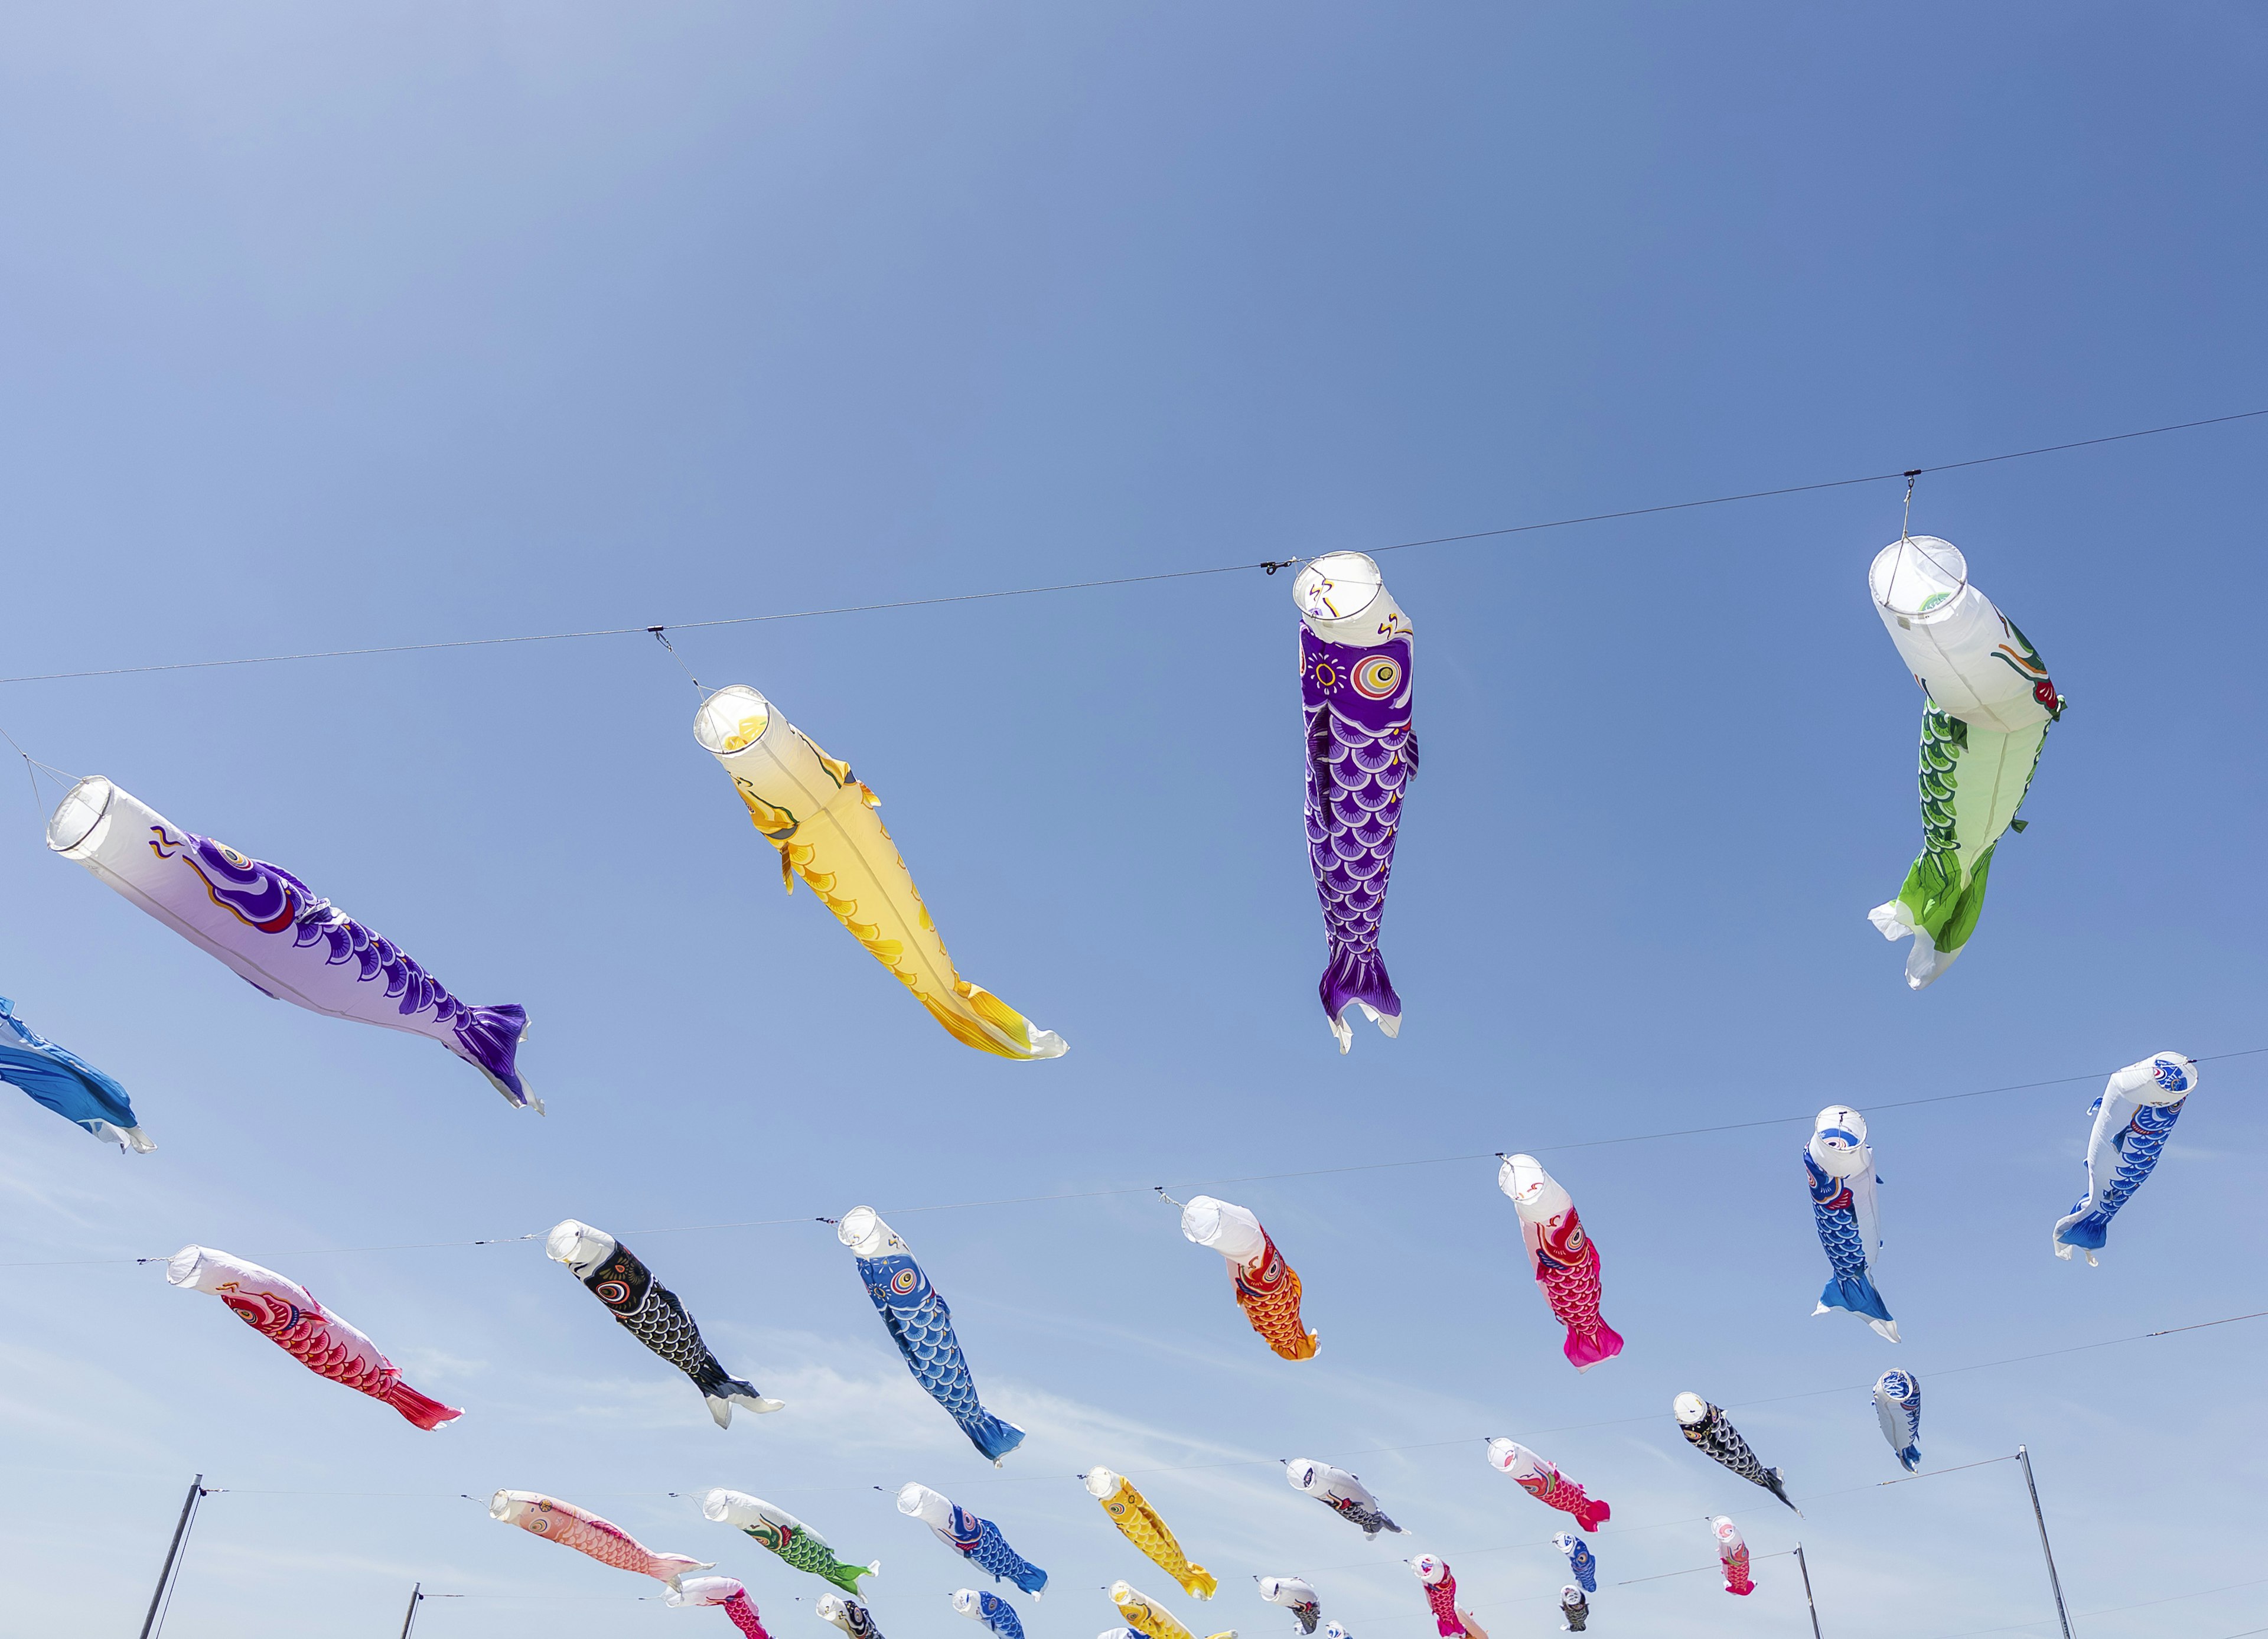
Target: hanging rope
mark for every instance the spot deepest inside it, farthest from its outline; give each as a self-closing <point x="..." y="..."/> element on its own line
<point x="1269" y="565"/>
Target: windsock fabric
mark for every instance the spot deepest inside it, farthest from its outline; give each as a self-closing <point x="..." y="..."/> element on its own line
<point x="1144" y="1616"/>
<point x="1897" y="1403"/>
<point x="1574" y="1610"/>
<point x="820" y="819"/>
<point x="2134" y="1119"/>
<point x="1295" y="1596"/>
<point x="1267" y="1288"/>
<point x="1332" y="1630"/>
<point x="1734" y="1553"/>
<point x="1441" y="1585"/>
<point x="991" y="1609"/>
<point x="977" y="1540"/>
<point x="1130" y="1511"/>
<point x="920" y="1323"/>
<point x="854" y="1619"/>
<point x="1842" y="1205"/>
<point x="1987" y="706"/>
<point x="723" y="1593"/>
<point x="1355" y="655"/>
<point x="1563" y="1259"/>
<point x="1341" y="1492"/>
<point x="72" y="1088"/>
<point x="650" y="1312"/>
<point x="287" y="1314"/>
<point x="276" y="931"/>
<point x="775" y="1528"/>
<point x="1545" y="1483"/>
<point x="602" y="1539"/>
<point x="1707" y="1428"/>
<point x="1581" y="1563"/>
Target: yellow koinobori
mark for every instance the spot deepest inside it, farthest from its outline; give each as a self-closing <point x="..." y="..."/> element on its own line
<point x="1130" y="1511"/>
<point x="820" y="818"/>
<point x="1144" y="1616"/>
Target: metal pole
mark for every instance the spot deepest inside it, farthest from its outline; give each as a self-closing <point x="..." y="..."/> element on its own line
<point x="2046" y="1553"/>
<point x="180" y="1530"/>
<point x="1807" y="1599"/>
<point x="416" y="1592"/>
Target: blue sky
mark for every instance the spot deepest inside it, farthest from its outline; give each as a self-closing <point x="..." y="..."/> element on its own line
<point x="365" y="326"/>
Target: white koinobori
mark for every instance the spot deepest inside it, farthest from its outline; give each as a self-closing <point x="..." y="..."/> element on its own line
<point x="1295" y="1596"/>
<point x="1990" y="702"/>
<point x="276" y="932"/>
<point x="2134" y="1119"/>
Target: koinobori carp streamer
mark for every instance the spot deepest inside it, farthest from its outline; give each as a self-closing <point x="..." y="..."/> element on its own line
<point x="1267" y="1288"/>
<point x="1847" y="1214"/>
<point x="1987" y="703"/>
<point x="1732" y="1551"/>
<point x="286" y="1313"/>
<point x="1341" y="1492"/>
<point x="726" y="1594"/>
<point x="276" y="931"/>
<point x="1545" y="1483"/>
<point x="1710" y="1431"/>
<point x="1295" y="1596"/>
<point x="652" y="1313"/>
<point x="1897" y="1405"/>
<point x="1130" y="1511"/>
<point x="1563" y="1258"/>
<point x="854" y="1619"/>
<point x="1582" y="1563"/>
<point x="920" y="1323"/>
<point x="820" y="819"/>
<point x="773" y="1527"/>
<point x="1441" y="1585"/>
<point x="979" y="1542"/>
<point x="2134" y="1119"/>
<point x="605" y="1541"/>
<point x="1144" y="1615"/>
<point x="67" y="1084"/>
<point x="1354" y="654"/>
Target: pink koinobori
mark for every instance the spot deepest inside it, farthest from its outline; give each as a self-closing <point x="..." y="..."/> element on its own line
<point x="602" y="1539"/>
<point x="287" y="1314"/>
<point x="1563" y="1259"/>
<point x="724" y="1592"/>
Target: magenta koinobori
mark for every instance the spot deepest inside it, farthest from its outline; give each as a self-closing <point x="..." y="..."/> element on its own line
<point x="1355" y="651"/>
<point x="276" y="931"/>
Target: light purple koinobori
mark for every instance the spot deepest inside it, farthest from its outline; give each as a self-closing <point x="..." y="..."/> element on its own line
<point x="1355" y="654"/>
<point x="276" y="931"/>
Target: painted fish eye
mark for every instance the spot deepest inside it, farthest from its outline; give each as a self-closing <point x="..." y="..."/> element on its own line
<point x="1377" y="677"/>
<point x="613" y="1292"/>
<point x="904" y="1282"/>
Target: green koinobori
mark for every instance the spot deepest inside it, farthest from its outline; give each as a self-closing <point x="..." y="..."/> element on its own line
<point x="785" y="1535"/>
<point x="1985" y="715"/>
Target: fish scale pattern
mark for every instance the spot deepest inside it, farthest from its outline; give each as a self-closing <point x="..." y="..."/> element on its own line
<point x="1716" y="1436"/>
<point x="2140" y="1146"/>
<point x="1555" y="1489"/>
<point x="1355" y="781"/>
<point x="992" y="1552"/>
<point x="331" y="1348"/>
<point x="742" y="1610"/>
<point x="1269" y="1292"/>
<point x="1582" y="1563"/>
<point x="922" y="1327"/>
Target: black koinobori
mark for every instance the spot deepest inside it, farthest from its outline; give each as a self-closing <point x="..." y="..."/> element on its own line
<point x="650" y="1312"/>
<point x="1711" y="1432"/>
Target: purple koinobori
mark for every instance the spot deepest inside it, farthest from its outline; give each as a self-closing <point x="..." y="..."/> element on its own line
<point x="1354" y="654"/>
<point x="277" y="933"/>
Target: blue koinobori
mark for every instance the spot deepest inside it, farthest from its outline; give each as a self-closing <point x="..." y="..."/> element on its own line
<point x="977" y="1540"/>
<point x="2132" y="1119"/>
<point x="1842" y="1205"/>
<point x="922" y="1327"/>
<point x="991" y="1609"/>
<point x="67" y="1084"/>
